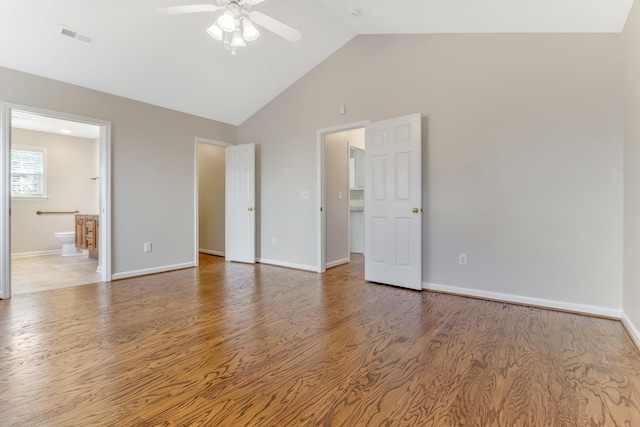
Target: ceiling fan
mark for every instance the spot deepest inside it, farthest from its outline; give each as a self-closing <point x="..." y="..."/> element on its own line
<point x="234" y="26"/>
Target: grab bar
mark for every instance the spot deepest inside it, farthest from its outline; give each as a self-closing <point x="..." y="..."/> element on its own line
<point x="57" y="212"/>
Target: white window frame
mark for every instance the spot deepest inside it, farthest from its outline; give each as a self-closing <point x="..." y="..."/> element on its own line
<point x="42" y="150"/>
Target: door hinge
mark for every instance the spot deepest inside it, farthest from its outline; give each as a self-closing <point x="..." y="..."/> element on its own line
<point x="320" y="209"/>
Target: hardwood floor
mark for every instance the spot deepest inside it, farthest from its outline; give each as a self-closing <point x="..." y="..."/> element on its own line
<point x="238" y="345"/>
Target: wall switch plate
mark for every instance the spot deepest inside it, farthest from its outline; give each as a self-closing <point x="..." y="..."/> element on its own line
<point x="340" y="195"/>
<point x="304" y="194"/>
<point x="462" y="258"/>
<point x="273" y="241"/>
<point x="147" y="247"/>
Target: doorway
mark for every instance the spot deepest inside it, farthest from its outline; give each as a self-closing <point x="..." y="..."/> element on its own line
<point x="209" y="193"/>
<point x="340" y="199"/>
<point x="98" y="182"/>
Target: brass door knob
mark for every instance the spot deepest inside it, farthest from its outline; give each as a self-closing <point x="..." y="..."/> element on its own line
<point x="415" y="210"/>
<point x="250" y="209"/>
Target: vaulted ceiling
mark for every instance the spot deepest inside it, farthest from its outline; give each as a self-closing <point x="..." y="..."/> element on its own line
<point x="172" y="62"/>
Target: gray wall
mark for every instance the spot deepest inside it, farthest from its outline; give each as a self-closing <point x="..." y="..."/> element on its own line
<point x="153" y="152"/>
<point x="211" y="182"/>
<point x="70" y="166"/>
<point x="631" y="64"/>
<point x="523" y="156"/>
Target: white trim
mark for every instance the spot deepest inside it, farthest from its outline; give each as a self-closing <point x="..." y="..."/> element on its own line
<point x="519" y="299"/>
<point x="5" y="191"/>
<point x="338" y="262"/>
<point x="154" y="270"/>
<point x="321" y="236"/>
<point x="5" y="201"/>
<point x="34" y="254"/>
<point x="631" y="328"/>
<point x="105" y="245"/>
<point x="29" y="198"/>
<point x="208" y="252"/>
<point x="196" y="219"/>
<point x="311" y="268"/>
<point x="321" y="266"/>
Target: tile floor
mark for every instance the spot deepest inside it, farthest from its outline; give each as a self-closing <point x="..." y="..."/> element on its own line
<point x="33" y="274"/>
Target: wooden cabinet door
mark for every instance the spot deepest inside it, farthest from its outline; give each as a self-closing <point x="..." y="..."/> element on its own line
<point x="80" y="232"/>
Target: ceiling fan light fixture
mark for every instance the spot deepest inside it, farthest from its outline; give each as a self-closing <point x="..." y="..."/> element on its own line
<point x="249" y="31"/>
<point x="236" y="23"/>
<point x="227" y="22"/>
<point x="237" y="40"/>
<point x="216" y="32"/>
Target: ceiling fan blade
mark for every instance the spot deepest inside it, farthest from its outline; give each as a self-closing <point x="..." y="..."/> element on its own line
<point x="253" y="2"/>
<point x="275" y="26"/>
<point x="194" y="8"/>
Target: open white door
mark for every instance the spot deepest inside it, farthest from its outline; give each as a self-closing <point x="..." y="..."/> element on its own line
<point x="240" y="190"/>
<point x="393" y="202"/>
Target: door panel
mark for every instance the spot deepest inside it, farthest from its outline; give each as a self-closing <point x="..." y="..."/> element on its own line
<point x="403" y="166"/>
<point x="240" y="203"/>
<point x="393" y="202"/>
<point x="377" y="177"/>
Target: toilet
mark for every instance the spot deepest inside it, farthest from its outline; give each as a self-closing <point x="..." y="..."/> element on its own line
<point x="68" y="240"/>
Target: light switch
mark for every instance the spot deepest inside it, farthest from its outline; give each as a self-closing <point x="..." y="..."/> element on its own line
<point x="304" y="194"/>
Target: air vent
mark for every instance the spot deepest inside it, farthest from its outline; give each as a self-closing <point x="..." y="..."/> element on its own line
<point x="68" y="32"/>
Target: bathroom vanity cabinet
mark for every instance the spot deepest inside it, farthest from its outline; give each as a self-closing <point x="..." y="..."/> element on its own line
<point x="87" y="232"/>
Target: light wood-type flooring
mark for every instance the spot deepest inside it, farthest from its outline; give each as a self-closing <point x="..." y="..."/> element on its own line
<point x="230" y="344"/>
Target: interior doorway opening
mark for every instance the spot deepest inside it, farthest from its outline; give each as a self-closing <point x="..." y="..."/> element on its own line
<point x="210" y="197"/>
<point x="341" y="194"/>
<point x="98" y="190"/>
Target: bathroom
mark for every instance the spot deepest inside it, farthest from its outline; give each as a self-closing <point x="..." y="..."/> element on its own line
<point x="70" y="154"/>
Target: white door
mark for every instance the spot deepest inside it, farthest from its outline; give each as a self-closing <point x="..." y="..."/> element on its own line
<point x="393" y="202"/>
<point x="240" y="213"/>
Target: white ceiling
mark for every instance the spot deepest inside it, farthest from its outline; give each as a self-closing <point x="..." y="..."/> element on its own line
<point x="24" y="120"/>
<point x="172" y="62"/>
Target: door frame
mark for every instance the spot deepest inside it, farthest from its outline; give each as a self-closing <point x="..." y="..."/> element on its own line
<point x="104" y="266"/>
<point x="321" y="245"/>
<point x="196" y="186"/>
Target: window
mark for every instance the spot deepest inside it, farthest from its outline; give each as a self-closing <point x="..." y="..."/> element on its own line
<point x="28" y="171"/>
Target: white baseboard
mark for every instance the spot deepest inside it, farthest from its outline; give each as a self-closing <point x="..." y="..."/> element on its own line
<point x="337" y="263"/>
<point x="208" y="252"/>
<point x="39" y="253"/>
<point x="631" y="328"/>
<point x="288" y="265"/>
<point x="144" y="272"/>
<point x="518" y="299"/>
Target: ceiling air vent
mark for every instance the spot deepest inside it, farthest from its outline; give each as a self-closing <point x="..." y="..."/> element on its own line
<point x="68" y="32"/>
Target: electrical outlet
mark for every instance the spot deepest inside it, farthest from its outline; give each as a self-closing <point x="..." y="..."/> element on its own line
<point x="273" y="241"/>
<point x="462" y="258"/>
<point x="147" y="247"/>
